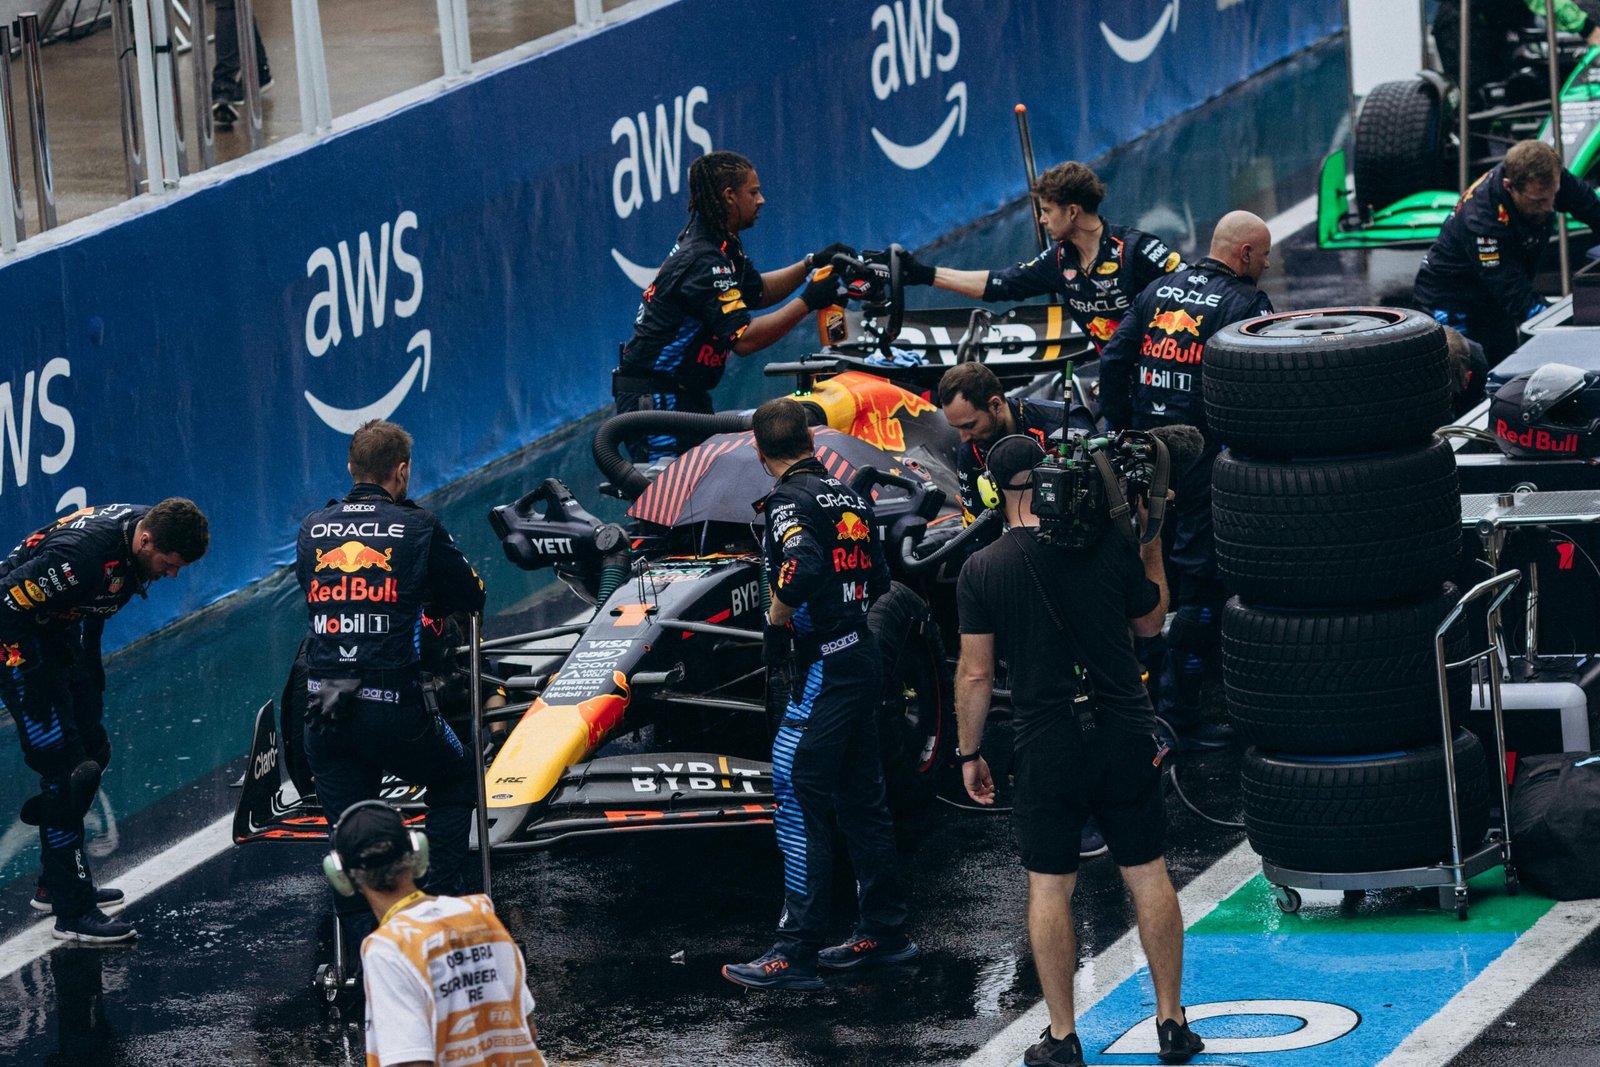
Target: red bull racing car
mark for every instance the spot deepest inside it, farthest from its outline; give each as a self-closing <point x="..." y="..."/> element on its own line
<point x="672" y="646"/>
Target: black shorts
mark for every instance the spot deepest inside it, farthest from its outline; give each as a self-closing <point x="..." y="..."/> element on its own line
<point x="1060" y="784"/>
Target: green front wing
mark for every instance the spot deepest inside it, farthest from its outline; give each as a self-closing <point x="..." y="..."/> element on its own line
<point x="1411" y="222"/>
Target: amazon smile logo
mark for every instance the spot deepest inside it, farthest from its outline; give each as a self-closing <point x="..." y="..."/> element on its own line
<point x="1140" y="48"/>
<point x="355" y="294"/>
<point x="918" y="36"/>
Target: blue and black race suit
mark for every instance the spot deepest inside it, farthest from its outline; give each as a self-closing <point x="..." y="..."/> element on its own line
<point x="1478" y="275"/>
<point x="822" y="552"/>
<point x="1151" y="375"/>
<point x="58" y="587"/>
<point x="1096" y="298"/>
<point x="687" y="324"/>
<point x="367" y="565"/>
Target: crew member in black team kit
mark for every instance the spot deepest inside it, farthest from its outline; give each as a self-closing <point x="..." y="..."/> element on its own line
<point x="824" y="565"/>
<point x="369" y="564"/>
<point x="59" y="586"/>
<point x="697" y="311"/>
<point x="1097" y="267"/>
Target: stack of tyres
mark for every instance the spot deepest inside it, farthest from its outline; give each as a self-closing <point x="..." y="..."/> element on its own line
<point x="1338" y="524"/>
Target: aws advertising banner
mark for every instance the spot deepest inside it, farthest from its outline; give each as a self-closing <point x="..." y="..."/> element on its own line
<point x="467" y="265"/>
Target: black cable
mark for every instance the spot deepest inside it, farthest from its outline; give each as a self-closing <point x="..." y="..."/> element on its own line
<point x="975" y="807"/>
<point x="1171" y="771"/>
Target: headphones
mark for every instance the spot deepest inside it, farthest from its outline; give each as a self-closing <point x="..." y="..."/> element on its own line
<point x="333" y="866"/>
<point x="988" y="487"/>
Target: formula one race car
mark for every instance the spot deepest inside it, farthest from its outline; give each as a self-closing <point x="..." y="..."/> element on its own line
<point x="674" y="641"/>
<point x="1400" y="180"/>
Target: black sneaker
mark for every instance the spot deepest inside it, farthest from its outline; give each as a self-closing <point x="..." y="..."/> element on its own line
<point x="223" y="114"/>
<point x="864" y="950"/>
<point x="1178" y="1042"/>
<point x="772" y="971"/>
<point x="236" y="97"/>
<point x="92" y="927"/>
<point x="1054" y="1052"/>
<point x="108" y="900"/>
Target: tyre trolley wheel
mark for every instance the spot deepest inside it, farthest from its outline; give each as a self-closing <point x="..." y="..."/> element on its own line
<point x="1287" y="899"/>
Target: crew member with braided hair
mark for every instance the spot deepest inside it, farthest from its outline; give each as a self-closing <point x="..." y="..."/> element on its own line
<point x="698" y="309"/>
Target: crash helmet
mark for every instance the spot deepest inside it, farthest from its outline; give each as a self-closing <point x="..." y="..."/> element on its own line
<point x="1549" y="413"/>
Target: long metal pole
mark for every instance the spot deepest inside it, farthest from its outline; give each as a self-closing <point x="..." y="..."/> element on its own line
<point x="245" y="19"/>
<point x="1025" y="135"/>
<point x="122" y="41"/>
<point x="447" y="40"/>
<point x="1555" y="133"/>
<point x="1463" y="96"/>
<point x="43" y="173"/>
<point x="463" y="35"/>
<point x="205" y="135"/>
<point x="587" y="13"/>
<point x="11" y="222"/>
<point x="147" y="97"/>
<point x="476" y="675"/>
<point x="167" y="117"/>
<point x="316" y="110"/>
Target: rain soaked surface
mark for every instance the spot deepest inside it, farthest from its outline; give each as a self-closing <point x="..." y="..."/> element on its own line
<point x="624" y="936"/>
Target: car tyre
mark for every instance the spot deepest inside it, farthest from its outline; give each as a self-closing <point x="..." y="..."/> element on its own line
<point x="1327" y="382"/>
<point x="1365" y="813"/>
<point x="1360" y="530"/>
<point x="916" y="718"/>
<point x="1399" y="142"/>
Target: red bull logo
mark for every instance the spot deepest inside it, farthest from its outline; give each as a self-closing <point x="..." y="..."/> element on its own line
<point x="1101" y="328"/>
<point x="602" y="713"/>
<point x="13" y="655"/>
<point x="351" y="589"/>
<point x="1177" y="321"/>
<point x="1168" y="348"/>
<point x="1501" y="216"/>
<point x="1538" y="440"/>
<point x="879" y="407"/>
<point x="851" y="528"/>
<point x="353" y="556"/>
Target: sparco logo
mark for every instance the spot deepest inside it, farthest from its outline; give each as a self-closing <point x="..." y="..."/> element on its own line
<point x="910" y="49"/>
<point x="355" y="293"/>
<point x="653" y="160"/>
<point x="1138" y="49"/>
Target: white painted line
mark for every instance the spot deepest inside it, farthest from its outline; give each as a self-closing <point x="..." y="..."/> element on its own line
<point x="1292" y="220"/>
<point x="171" y="863"/>
<point x="1098" y="977"/>
<point x="1497" y="986"/>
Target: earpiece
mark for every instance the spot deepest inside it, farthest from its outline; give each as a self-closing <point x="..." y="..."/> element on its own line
<point x="988" y="493"/>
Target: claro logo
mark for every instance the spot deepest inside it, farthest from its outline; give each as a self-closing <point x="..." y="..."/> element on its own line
<point x="653" y="162"/>
<point x="355" y="294"/>
<point x="1138" y="49"/>
<point x="910" y="49"/>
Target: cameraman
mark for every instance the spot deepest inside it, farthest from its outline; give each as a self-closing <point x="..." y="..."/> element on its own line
<point x="1067" y="769"/>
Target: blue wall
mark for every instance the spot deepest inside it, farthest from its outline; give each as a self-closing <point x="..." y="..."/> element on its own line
<point x="213" y="347"/>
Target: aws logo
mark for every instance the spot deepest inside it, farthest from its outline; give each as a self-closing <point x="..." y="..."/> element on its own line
<point x="918" y="36"/>
<point x="1140" y="48"/>
<point x="654" y="162"/>
<point x="356" y="294"/>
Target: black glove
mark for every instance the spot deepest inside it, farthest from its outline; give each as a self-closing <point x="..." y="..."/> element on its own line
<point x="775" y="645"/>
<point x="823" y="290"/>
<point x="331" y="704"/>
<point x="914" y="273"/>
<point x="823" y="257"/>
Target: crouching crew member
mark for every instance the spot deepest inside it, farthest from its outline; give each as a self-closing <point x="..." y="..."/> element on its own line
<point x="59" y="586"/>
<point x="368" y="565"/>
<point x="1151" y="374"/>
<point x="445" y="982"/>
<point x="825" y="564"/>
<point x="1067" y="768"/>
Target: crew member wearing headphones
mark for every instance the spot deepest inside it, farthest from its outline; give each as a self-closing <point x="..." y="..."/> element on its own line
<point x="445" y="982"/>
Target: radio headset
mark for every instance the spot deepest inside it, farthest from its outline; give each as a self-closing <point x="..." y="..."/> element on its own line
<point x="333" y="866"/>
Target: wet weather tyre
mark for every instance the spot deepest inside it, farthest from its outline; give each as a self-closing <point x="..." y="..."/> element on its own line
<point x="1398" y="142"/>
<point x="1327" y="382"/>
<point x="1361" y="530"/>
<point x="916" y="719"/>
<point x="1366" y="813"/>
<point x="1340" y="682"/>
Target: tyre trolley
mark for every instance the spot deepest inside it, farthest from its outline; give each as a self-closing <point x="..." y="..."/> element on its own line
<point x="1466" y="858"/>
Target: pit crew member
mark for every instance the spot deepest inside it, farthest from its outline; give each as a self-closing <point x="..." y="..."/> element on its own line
<point x="1478" y="275"/>
<point x="1151" y="374"/>
<point x="1021" y="600"/>
<point x="368" y="564"/>
<point x="697" y="311"/>
<point x="1097" y="267"/>
<point x="59" y="586"/>
<point x="445" y="982"/>
<point x="821" y="550"/>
